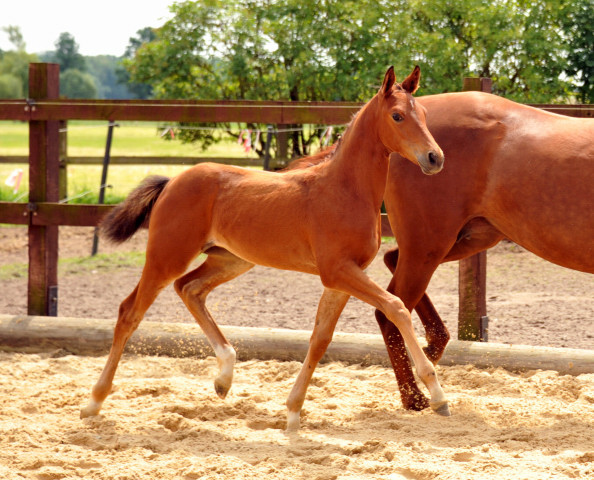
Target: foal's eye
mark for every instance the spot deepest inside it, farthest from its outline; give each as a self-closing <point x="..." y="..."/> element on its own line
<point x="397" y="117"/>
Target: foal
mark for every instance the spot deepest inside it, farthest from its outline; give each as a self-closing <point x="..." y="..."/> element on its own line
<point x="322" y="220"/>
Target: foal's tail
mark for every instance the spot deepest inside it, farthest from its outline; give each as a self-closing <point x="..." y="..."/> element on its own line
<point x="134" y="212"/>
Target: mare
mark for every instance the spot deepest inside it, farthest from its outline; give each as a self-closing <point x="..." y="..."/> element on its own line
<point x="513" y="172"/>
<point x="322" y="220"/>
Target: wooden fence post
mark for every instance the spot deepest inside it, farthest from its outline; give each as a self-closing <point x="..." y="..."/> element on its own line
<point x="472" y="273"/>
<point x="44" y="164"/>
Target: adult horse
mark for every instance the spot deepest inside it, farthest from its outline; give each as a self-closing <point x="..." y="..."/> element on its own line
<point x="322" y="220"/>
<point x="512" y="171"/>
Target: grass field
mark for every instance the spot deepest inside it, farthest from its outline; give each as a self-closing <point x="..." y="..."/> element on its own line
<point x="88" y="139"/>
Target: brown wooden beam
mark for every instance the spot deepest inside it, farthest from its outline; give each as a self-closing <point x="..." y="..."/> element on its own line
<point x="199" y="112"/>
<point x="43" y="186"/>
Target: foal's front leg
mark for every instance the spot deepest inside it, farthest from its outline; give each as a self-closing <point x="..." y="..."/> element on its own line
<point x="329" y="309"/>
<point x="349" y="278"/>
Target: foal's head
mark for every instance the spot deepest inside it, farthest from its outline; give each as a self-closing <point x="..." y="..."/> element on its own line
<point x="402" y="128"/>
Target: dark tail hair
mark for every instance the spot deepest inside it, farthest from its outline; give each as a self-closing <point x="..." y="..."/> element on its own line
<point x="134" y="212"/>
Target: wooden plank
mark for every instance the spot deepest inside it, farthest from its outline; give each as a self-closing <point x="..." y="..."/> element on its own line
<point x="73" y="215"/>
<point x="579" y="111"/>
<point x="14" y="110"/>
<point x="15" y="213"/>
<point x="83" y="336"/>
<point x="152" y="160"/>
<point x="199" y="112"/>
<point x="48" y="214"/>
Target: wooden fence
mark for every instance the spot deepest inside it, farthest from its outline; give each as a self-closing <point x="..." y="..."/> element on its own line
<point x="46" y="112"/>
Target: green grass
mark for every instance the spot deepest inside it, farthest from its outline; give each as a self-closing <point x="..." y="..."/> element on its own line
<point x="101" y="262"/>
<point x="87" y="139"/>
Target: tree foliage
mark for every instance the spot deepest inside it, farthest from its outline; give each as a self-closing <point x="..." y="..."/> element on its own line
<point x="14" y="66"/>
<point x="67" y="54"/>
<point x="337" y="50"/>
<point x="77" y="84"/>
<point x="578" y="25"/>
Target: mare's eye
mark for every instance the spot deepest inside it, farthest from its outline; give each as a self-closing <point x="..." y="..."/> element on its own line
<point x="397" y="117"/>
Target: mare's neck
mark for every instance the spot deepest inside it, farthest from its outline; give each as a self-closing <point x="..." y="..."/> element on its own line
<point x="361" y="160"/>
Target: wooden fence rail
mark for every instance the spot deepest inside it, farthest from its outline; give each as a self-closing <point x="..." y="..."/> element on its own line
<point x="45" y="112"/>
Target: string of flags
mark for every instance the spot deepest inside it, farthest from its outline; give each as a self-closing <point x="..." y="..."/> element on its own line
<point x="14" y="179"/>
<point x="245" y="136"/>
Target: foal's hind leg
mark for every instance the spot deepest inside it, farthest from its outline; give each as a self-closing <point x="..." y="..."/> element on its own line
<point x="329" y="309"/>
<point x="132" y="309"/>
<point x="193" y="288"/>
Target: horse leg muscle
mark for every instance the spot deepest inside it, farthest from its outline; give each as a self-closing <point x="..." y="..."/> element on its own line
<point x="193" y="288"/>
<point x="329" y="309"/>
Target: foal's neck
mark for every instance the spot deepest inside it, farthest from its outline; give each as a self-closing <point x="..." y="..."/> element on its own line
<point x="361" y="160"/>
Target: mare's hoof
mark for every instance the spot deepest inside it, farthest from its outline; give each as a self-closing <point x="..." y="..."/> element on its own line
<point x="222" y="390"/>
<point x="441" y="408"/>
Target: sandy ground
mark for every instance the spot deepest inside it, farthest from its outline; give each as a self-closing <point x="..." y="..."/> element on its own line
<point x="164" y="420"/>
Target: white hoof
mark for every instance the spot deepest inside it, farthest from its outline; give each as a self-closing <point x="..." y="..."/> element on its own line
<point x="91" y="409"/>
<point x="293" y="421"/>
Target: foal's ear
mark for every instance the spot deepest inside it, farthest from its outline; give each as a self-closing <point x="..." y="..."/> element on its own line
<point x="411" y="83"/>
<point x="389" y="81"/>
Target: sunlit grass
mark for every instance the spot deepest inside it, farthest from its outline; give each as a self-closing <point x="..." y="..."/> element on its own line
<point x="87" y="139"/>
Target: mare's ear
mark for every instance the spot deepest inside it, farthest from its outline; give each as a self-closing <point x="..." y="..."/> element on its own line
<point x="389" y="81"/>
<point x="411" y="83"/>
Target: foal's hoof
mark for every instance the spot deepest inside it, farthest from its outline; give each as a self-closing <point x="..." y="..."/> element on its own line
<point x="221" y="388"/>
<point x="293" y="421"/>
<point x="90" y="410"/>
<point x="441" y="408"/>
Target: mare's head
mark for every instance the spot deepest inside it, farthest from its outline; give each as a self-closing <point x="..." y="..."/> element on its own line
<point x="401" y="123"/>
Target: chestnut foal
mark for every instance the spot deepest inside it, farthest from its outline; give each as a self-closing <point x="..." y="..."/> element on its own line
<point x="322" y="220"/>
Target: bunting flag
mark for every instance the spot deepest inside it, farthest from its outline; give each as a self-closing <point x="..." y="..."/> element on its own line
<point x="169" y="131"/>
<point x="14" y="179"/>
<point x="327" y="136"/>
<point x="257" y="138"/>
<point x="247" y="143"/>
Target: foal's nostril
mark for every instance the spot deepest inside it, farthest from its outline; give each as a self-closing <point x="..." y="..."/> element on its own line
<point x="432" y="158"/>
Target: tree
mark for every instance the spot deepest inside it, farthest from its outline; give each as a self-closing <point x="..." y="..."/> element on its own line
<point x="67" y="55"/>
<point x="139" y="90"/>
<point x="77" y="84"/>
<point x="103" y="69"/>
<point x="578" y="20"/>
<point x="337" y="49"/>
<point x="10" y="86"/>
<point x="14" y="64"/>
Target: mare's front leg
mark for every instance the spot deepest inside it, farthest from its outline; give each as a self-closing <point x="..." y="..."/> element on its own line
<point x="436" y="332"/>
<point x="221" y="266"/>
<point x="329" y="309"/>
<point x="350" y="279"/>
